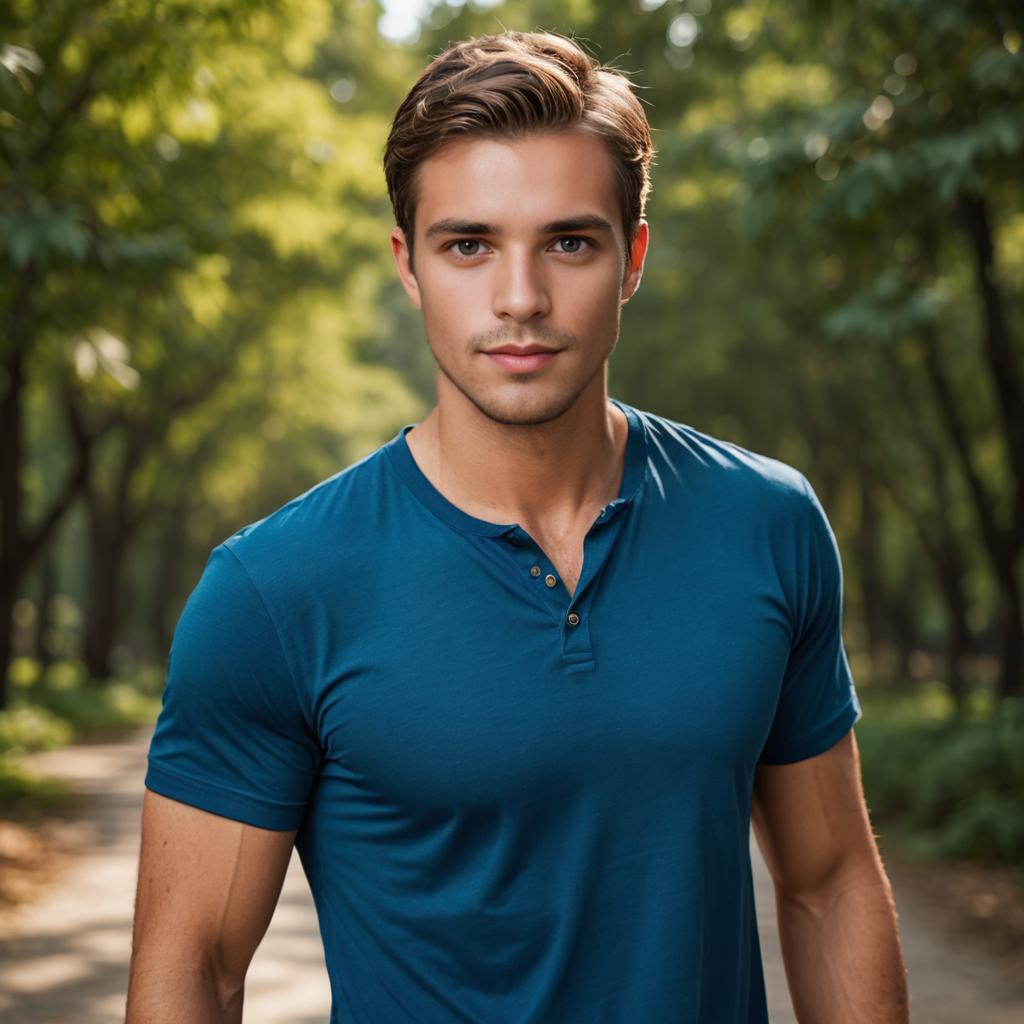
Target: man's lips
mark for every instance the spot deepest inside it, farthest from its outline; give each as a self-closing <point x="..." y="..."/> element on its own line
<point x="520" y="350"/>
<point x="521" y="358"/>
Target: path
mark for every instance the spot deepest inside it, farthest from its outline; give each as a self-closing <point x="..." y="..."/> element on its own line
<point x="67" y="960"/>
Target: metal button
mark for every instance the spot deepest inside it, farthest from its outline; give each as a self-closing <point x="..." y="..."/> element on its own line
<point x="550" y="580"/>
<point x="534" y="570"/>
<point x="573" y="619"/>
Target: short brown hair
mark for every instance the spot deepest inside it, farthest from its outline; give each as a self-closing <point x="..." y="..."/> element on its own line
<point x="510" y="85"/>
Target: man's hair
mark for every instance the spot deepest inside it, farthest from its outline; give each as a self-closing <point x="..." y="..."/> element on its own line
<point x="508" y="86"/>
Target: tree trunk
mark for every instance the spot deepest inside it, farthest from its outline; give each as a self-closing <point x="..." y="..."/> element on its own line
<point x="1000" y="544"/>
<point x="1008" y="383"/>
<point x="111" y="538"/>
<point x="44" y="615"/>
<point x="1011" y="661"/>
<point x="7" y="598"/>
<point x="872" y="583"/>
<point x="1004" y="368"/>
<point x="903" y="629"/>
<point x="167" y="584"/>
<point x="12" y="380"/>
<point x="20" y="542"/>
<point x="959" y="642"/>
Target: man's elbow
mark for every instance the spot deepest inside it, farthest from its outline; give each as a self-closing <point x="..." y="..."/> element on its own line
<point x="164" y="985"/>
<point x="820" y="891"/>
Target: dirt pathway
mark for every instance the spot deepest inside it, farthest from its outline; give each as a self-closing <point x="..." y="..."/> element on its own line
<point x="64" y="957"/>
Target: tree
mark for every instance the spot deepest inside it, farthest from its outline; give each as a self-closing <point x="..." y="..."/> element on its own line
<point x="179" y="181"/>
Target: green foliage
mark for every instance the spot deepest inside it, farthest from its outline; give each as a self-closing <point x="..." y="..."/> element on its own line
<point x="67" y="674"/>
<point x="28" y="727"/>
<point x="98" y="708"/>
<point x="21" y="789"/>
<point x="950" y="788"/>
<point x="60" y="707"/>
<point x="193" y="229"/>
<point x="24" y="672"/>
<point x="197" y="220"/>
<point x="54" y="707"/>
<point x="42" y="235"/>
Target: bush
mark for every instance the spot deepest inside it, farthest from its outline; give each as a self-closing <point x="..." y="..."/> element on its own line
<point x="24" y="672"/>
<point x="956" y="787"/>
<point x="20" y="788"/>
<point x="93" y="708"/>
<point x="63" y="693"/>
<point x="26" y="727"/>
<point x="51" y="709"/>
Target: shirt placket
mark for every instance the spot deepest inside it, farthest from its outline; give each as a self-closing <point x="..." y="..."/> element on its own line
<point x="571" y="613"/>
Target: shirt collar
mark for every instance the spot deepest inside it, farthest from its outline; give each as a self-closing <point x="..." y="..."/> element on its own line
<point x="400" y="455"/>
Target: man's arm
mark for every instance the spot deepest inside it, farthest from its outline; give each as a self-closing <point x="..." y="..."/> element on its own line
<point x="837" y="919"/>
<point x="207" y="888"/>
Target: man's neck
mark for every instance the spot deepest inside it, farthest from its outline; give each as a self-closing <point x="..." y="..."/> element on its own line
<point x="556" y="474"/>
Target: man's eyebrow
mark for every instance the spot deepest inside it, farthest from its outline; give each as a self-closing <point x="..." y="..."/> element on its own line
<point x="453" y="226"/>
<point x="589" y="222"/>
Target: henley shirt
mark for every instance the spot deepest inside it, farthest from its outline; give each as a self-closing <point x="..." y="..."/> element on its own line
<point x="515" y="805"/>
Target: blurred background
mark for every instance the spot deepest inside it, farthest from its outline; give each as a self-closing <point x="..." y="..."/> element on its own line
<point x="199" y="319"/>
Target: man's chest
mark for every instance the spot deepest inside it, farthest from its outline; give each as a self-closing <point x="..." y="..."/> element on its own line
<point x="464" y="694"/>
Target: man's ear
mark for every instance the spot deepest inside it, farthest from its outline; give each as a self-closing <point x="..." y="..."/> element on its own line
<point x="400" y="251"/>
<point x="635" y="268"/>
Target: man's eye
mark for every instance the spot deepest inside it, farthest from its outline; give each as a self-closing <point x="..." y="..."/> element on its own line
<point x="575" y="244"/>
<point x="469" y="247"/>
<point x="461" y="246"/>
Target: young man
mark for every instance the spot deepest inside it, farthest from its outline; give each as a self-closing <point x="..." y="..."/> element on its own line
<point x="515" y="683"/>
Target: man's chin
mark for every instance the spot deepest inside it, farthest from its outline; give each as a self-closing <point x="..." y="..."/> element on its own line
<point x="524" y="410"/>
<point x="518" y="406"/>
<point x="520" y="419"/>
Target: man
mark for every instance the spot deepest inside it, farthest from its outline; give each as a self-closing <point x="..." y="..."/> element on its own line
<point x="515" y="683"/>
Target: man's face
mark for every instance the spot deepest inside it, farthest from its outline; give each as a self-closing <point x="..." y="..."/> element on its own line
<point x="520" y="243"/>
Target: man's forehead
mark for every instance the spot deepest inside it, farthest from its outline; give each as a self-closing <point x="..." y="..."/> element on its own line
<point x="533" y="183"/>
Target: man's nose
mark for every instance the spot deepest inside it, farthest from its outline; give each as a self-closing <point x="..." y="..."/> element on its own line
<point x="520" y="287"/>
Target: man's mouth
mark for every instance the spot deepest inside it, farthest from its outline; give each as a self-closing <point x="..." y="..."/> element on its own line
<point x="521" y="358"/>
<point x="520" y="350"/>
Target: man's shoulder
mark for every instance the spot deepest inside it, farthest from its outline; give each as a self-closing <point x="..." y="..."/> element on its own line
<point x="310" y="532"/>
<point x="697" y="459"/>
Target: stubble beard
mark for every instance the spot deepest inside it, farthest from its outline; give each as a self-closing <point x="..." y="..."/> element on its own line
<point x="532" y="410"/>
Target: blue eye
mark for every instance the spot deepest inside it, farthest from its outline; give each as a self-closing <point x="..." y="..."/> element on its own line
<point x="576" y="242"/>
<point x="460" y="245"/>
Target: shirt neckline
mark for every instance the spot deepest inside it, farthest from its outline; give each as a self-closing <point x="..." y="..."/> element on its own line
<point x="401" y="458"/>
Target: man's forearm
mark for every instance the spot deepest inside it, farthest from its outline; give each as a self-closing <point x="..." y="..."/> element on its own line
<point x="842" y="953"/>
<point x="158" y="995"/>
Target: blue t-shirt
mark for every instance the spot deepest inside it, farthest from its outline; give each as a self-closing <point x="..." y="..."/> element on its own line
<point x="515" y="805"/>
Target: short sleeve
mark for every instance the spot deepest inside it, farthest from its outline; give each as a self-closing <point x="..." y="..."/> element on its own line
<point x="231" y="737"/>
<point x="818" y="703"/>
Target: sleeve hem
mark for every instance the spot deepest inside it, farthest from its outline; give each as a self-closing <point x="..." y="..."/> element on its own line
<point x="818" y="741"/>
<point x="210" y="797"/>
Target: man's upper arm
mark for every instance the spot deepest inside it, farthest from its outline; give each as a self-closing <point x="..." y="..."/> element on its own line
<point x="817" y="703"/>
<point x="235" y="735"/>
<point x="207" y="888"/>
<point x="810" y="818"/>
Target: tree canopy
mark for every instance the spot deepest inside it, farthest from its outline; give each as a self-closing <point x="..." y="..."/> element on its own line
<point x="200" y="317"/>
